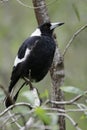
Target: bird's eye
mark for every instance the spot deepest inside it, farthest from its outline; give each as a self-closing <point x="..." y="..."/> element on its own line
<point x="47" y="26"/>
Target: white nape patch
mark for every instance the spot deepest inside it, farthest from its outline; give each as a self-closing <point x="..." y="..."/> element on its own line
<point x="37" y="32"/>
<point x="18" y="60"/>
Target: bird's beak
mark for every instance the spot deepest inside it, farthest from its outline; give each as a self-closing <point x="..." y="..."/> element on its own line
<point x="54" y="25"/>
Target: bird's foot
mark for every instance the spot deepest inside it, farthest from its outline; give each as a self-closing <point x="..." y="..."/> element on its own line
<point x="28" y="82"/>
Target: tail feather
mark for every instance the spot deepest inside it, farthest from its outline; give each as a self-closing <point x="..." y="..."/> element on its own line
<point x="13" y="91"/>
<point x="12" y="84"/>
<point x="9" y="100"/>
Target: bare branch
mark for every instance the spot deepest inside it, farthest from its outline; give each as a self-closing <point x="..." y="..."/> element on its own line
<point x="6" y="94"/>
<point x="14" y="119"/>
<point x="73" y="37"/>
<point x="60" y="112"/>
<point x="72" y="121"/>
<point x="31" y="121"/>
<point x="82" y="106"/>
<point x="65" y="111"/>
<point x="67" y="102"/>
<point x="28" y="124"/>
<point x="69" y="118"/>
<point x="15" y="105"/>
<point x="31" y="7"/>
<point x="11" y="116"/>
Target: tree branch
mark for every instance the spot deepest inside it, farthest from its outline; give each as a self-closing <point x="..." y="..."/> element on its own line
<point x="73" y="37"/>
<point x="33" y="7"/>
<point x="28" y="124"/>
<point x="15" y="105"/>
<point x="67" y="102"/>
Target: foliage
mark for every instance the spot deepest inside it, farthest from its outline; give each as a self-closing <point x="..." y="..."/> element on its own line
<point x="43" y="117"/>
<point x="71" y="89"/>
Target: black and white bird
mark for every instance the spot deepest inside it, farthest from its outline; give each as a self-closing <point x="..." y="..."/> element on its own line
<point x="34" y="57"/>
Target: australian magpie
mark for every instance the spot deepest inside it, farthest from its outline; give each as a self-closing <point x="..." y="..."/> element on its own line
<point x="34" y="57"/>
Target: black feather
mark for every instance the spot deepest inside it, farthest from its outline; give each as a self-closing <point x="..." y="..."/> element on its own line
<point x="36" y="64"/>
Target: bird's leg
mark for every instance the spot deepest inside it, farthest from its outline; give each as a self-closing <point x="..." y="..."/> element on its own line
<point x="30" y="74"/>
<point x="28" y="82"/>
<point x="36" y="96"/>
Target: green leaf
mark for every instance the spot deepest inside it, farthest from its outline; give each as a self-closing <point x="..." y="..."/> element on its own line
<point x="42" y="114"/>
<point x="83" y="117"/>
<point x="71" y="89"/>
<point x="76" y="11"/>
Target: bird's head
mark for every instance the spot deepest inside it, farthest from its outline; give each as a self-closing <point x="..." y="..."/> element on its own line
<point x="48" y="28"/>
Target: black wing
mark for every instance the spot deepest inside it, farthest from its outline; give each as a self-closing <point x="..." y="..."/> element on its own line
<point x="28" y="43"/>
<point x="16" y="72"/>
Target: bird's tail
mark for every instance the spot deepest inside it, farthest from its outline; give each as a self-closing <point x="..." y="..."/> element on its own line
<point x="13" y="92"/>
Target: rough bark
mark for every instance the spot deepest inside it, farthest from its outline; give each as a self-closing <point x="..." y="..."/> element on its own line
<point x="57" y="76"/>
<point x="41" y="12"/>
<point x="57" y="69"/>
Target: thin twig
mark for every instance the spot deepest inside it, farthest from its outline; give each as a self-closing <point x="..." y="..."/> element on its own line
<point x="65" y="111"/>
<point x="12" y="116"/>
<point x="73" y="37"/>
<point x="66" y="102"/>
<point x="6" y="94"/>
<point x="82" y="106"/>
<point x="31" y="7"/>
<point x="5" y="121"/>
<point x="14" y="120"/>
<point x="28" y="124"/>
<point x="41" y="127"/>
<point x="31" y="120"/>
<point x="15" y="105"/>
<point x="69" y="118"/>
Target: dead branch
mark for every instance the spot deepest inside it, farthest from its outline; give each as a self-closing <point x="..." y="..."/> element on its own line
<point x="67" y="102"/>
<point x="32" y="7"/>
<point x="15" y="105"/>
<point x="73" y="37"/>
<point x="28" y="124"/>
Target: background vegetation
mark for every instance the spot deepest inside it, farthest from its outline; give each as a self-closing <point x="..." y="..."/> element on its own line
<point x="18" y="22"/>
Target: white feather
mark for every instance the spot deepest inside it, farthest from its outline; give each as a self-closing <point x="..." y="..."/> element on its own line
<point x="37" y="32"/>
<point x="18" y="60"/>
